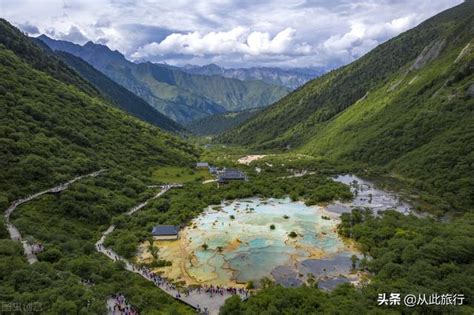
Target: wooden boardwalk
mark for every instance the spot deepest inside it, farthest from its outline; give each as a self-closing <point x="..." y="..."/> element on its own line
<point x="199" y="300"/>
<point x="15" y="234"/>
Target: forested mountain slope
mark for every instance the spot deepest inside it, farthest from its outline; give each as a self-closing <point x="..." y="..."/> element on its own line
<point x="179" y="95"/>
<point x="118" y="95"/>
<point x="406" y="106"/>
<point x="55" y="125"/>
<point x="219" y="123"/>
<point x="422" y="130"/>
<point x="35" y="56"/>
<point x="287" y="121"/>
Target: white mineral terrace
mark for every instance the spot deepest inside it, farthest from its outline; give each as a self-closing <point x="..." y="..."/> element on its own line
<point x="247" y="240"/>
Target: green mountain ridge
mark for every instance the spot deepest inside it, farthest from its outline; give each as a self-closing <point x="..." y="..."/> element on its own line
<point x="405" y="106"/>
<point x="410" y="116"/>
<point x="55" y="124"/>
<point x="179" y="95"/>
<point x="119" y="95"/>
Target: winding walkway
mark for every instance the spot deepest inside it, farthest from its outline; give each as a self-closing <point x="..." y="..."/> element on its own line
<point x="15" y="234"/>
<point x="199" y="300"/>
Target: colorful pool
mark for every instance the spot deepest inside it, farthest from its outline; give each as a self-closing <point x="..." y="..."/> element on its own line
<point x="248" y="240"/>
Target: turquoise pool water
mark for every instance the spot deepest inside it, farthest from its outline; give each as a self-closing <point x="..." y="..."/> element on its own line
<point x="242" y="247"/>
<point x="239" y="245"/>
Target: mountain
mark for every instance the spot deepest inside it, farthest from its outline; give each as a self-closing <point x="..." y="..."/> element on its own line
<point x="92" y="80"/>
<point x="179" y="95"/>
<point x="54" y="127"/>
<point x="218" y="123"/>
<point x="406" y="106"/>
<point x="54" y="124"/>
<point x="118" y="95"/>
<point x="290" y="78"/>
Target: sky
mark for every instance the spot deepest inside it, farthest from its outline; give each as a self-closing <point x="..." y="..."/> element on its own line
<point x="230" y="33"/>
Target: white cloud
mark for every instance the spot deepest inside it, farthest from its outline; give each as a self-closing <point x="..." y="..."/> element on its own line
<point x="261" y="42"/>
<point x="196" y="43"/>
<point x="235" y="41"/>
<point x="392" y="28"/>
<point x="228" y="32"/>
<point x="363" y="37"/>
<point x="347" y="40"/>
<point x="74" y="34"/>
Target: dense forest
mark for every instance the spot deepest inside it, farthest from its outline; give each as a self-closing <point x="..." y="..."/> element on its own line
<point x="71" y="277"/>
<point x="402" y="113"/>
<point x="51" y="130"/>
<point x="55" y="126"/>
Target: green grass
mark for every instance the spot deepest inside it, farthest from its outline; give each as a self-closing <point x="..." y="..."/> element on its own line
<point x="180" y="175"/>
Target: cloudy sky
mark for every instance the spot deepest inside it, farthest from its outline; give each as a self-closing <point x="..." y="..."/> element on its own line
<point x="231" y="33"/>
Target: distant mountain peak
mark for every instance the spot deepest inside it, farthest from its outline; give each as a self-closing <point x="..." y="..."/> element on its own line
<point x="289" y="78"/>
<point x="179" y="94"/>
<point x="44" y="36"/>
<point x="212" y="66"/>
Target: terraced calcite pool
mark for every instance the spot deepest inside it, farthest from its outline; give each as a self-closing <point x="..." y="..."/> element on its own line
<point x="241" y="245"/>
<point x="234" y="243"/>
<point x="366" y="195"/>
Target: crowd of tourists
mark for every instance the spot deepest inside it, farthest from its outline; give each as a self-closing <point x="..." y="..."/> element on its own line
<point x="120" y="306"/>
<point x="211" y="290"/>
<point x="161" y="282"/>
<point x="218" y="290"/>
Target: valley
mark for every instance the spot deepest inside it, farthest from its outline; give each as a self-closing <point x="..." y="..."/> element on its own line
<point x="141" y="187"/>
<point x="180" y="95"/>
